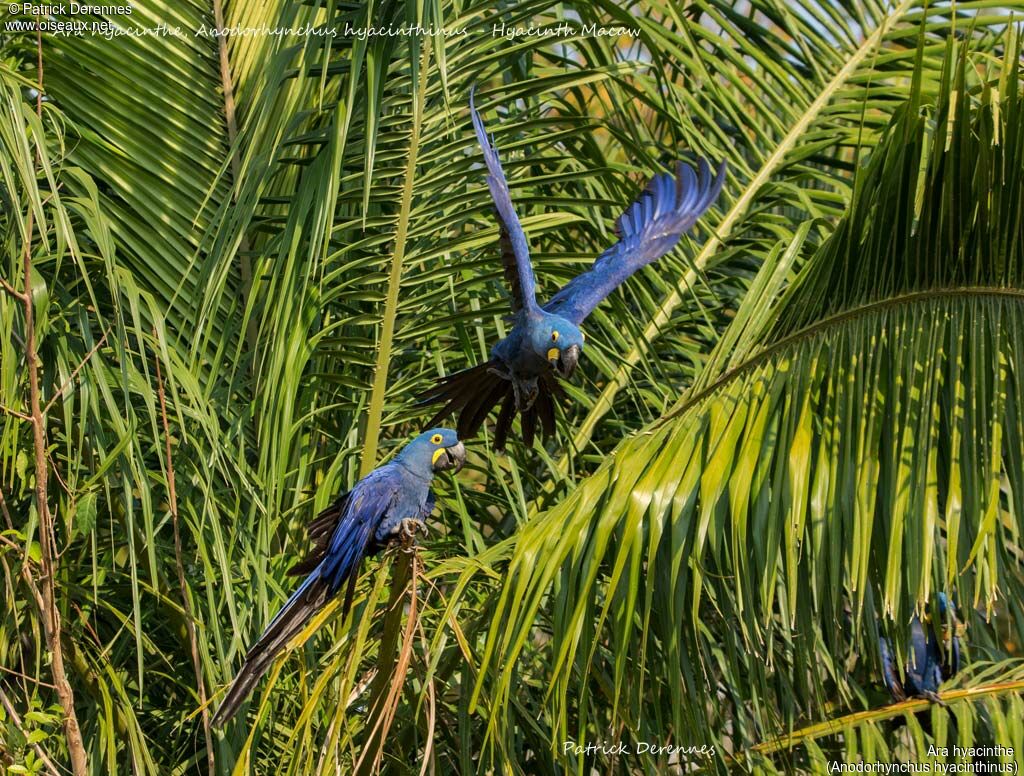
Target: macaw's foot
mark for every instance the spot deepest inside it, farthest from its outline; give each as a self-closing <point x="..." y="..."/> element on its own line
<point x="934" y="698"/>
<point x="525" y="393"/>
<point x="503" y="372"/>
<point x="408" y="529"/>
<point x="524" y="388"/>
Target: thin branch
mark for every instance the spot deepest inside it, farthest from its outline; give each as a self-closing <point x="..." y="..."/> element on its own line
<point x="190" y="625"/>
<point x="15" y="413"/>
<point x="47" y="539"/>
<point x="428" y="747"/>
<point x="383" y="707"/>
<point x="12" y="596"/>
<point x="26" y="571"/>
<point x="88" y="626"/>
<point x="60" y="481"/>
<point x="20" y="675"/>
<point x="12" y="545"/>
<point x="74" y="373"/>
<point x="12" y="290"/>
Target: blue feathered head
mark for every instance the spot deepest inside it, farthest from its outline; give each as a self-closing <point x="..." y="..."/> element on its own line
<point x="436" y="450"/>
<point x="558" y="341"/>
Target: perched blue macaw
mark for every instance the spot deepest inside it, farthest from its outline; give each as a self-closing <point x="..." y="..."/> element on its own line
<point x="931" y="661"/>
<point x="546" y="341"/>
<point x="388" y="504"/>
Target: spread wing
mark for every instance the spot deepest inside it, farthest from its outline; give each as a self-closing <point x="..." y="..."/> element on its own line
<point x="647" y="230"/>
<point x="515" y="252"/>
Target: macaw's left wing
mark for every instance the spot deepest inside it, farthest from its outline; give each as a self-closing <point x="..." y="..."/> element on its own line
<point x="515" y="251"/>
<point x="474" y="392"/>
<point x="647" y="230"/>
<point x="343" y="533"/>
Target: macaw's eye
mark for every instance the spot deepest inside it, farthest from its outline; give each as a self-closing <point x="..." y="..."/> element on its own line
<point x="436" y="439"/>
<point x="554" y="336"/>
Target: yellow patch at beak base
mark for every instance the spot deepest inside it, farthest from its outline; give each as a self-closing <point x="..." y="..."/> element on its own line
<point x="437" y="454"/>
<point x="553" y="353"/>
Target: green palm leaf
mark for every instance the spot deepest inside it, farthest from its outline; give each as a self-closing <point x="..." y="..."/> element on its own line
<point x="301" y="276"/>
<point x="855" y="446"/>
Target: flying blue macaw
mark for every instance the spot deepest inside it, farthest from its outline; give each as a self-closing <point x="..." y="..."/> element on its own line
<point x="546" y="341"/>
<point x="931" y="661"/>
<point x="388" y="504"/>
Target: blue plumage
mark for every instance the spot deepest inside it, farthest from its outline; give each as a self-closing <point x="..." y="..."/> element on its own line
<point x="647" y="230"/>
<point x="545" y="342"/>
<point x="934" y="656"/>
<point x="391" y="502"/>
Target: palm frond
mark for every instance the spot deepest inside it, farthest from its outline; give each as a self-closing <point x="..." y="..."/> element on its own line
<point x="854" y="447"/>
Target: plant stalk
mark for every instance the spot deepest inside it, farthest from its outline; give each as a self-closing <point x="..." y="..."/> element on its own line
<point x="50" y="559"/>
<point x="231" y="122"/>
<point x="186" y="600"/>
<point x="380" y="371"/>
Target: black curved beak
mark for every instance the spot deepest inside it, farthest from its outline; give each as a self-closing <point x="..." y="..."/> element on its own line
<point x="565" y="363"/>
<point x="452" y="458"/>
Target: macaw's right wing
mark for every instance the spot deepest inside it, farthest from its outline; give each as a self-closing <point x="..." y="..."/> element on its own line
<point x="342" y="535"/>
<point x="320" y="532"/>
<point x="890" y="674"/>
<point x="515" y="251"/>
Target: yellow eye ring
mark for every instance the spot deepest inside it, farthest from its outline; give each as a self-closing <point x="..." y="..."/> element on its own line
<point x="436" y="439"/>
<point x="554" y="336"/>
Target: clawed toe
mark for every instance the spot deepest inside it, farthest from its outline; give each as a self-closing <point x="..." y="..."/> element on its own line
<point x="409" y="528"/>
<point x="525" y="395"/>
<point x="502" y="373"/>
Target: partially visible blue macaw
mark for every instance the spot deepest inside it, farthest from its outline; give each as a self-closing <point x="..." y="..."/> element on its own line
<point x="934" y="656"/>
<point x="546" y="340"/>
<point x="390" y="503"/>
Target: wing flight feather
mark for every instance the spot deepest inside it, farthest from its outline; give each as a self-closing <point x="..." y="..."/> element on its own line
<point x="647" y="230"/>
<point x="515" y="251"/>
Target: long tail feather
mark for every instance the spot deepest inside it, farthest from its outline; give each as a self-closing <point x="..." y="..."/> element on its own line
<point x="304" y="603"/>
<point x="505" y="417"/>
<point x="549" y="390"/>
<point x="528" y="423"/>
